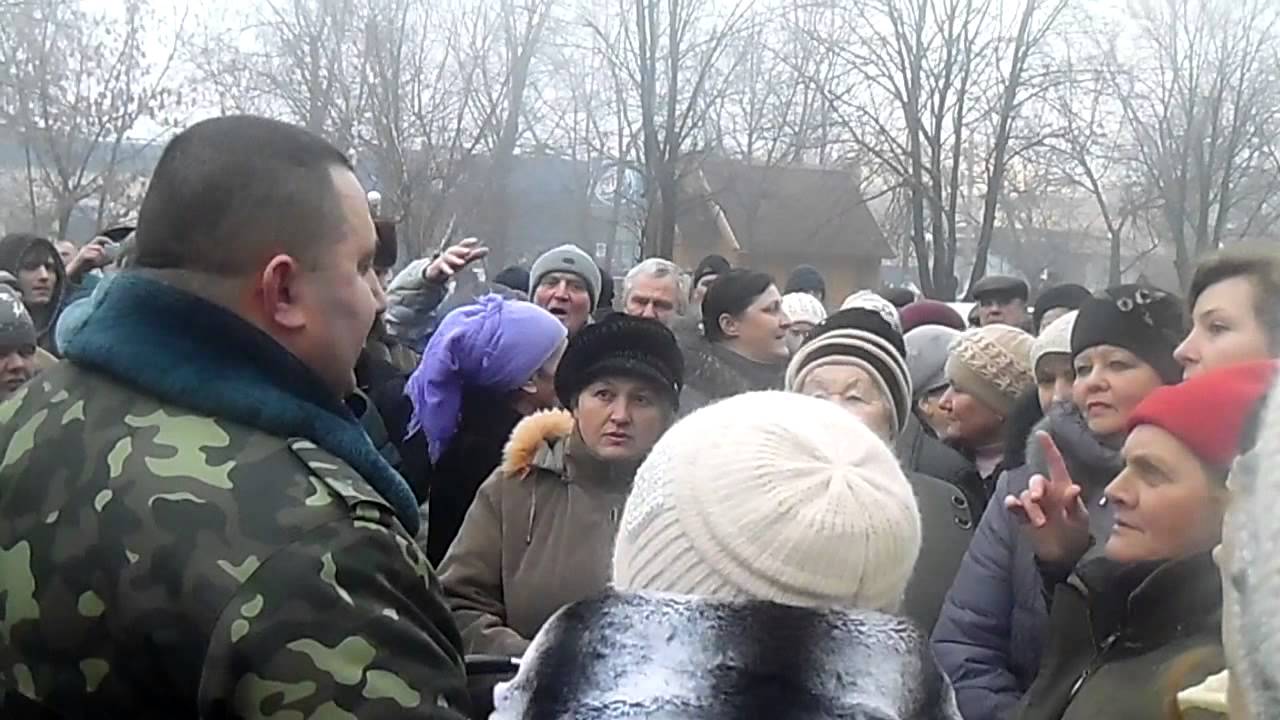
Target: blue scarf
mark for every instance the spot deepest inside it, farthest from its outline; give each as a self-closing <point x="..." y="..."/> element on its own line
<point x="190" y="352"/>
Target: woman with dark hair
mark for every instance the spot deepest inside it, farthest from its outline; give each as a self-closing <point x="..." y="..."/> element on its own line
<point x="1134" y="624"/>
<point x="744" y="340"/>
<point x="1235" y="309"/>
<point x="993" y="625"/>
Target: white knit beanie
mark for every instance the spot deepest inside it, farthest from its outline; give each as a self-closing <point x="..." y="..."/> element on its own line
<point x="1054" y="338"/>
<point x="774" y="496"/>
<point x="867" y="300"/>
<point x="803" y="307"/>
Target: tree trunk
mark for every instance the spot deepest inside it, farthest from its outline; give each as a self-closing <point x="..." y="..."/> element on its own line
<point x="995" y="180"/>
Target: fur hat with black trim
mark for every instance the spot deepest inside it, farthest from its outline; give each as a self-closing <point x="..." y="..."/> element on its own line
<point x="621" y="345"/>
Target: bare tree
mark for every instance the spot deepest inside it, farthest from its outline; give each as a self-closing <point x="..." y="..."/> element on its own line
<point x="672" y="54"/>
<point x="1094" y="152"/>
<point x="1200" y="96"/>
<point x="1037" y="19"/>
<point x="77" y="88"/>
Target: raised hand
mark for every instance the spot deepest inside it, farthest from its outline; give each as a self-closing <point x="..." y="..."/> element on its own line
<point x="454" y="259"/>
<point x="1051" y="510"/>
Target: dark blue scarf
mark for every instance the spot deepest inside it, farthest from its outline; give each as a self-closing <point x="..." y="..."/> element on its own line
<point x="193" y="353"/>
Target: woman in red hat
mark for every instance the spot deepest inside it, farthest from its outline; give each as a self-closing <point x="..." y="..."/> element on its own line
<point x="1131" y="627"/>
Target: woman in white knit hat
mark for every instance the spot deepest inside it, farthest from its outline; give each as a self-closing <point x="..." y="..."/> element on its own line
<point x="807" y="506"/>
<point x="750" y="579"/>
<point x="805" y="311"/>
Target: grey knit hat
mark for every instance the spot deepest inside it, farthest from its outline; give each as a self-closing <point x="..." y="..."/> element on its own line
<point x="927" y="349"/>
<point x="568" y="258"/>
<point x="16" y="328"/>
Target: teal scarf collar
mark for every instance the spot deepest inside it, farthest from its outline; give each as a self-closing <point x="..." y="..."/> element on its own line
<point x="190" y="352"/>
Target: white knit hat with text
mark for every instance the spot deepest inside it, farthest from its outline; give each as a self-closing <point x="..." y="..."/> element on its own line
<point x="773" y="496"/>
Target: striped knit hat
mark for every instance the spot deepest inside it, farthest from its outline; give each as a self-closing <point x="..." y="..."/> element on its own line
<point x="806" y="507"/>
<point x="992" y="363"/>
<point x="859" y="337"/>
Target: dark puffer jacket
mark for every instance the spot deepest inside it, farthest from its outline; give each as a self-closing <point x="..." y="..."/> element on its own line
<point x="630" y="656"/>
<point x="993" y="624"/>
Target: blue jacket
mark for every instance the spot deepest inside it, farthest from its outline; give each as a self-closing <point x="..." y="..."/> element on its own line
<point x="992" y="629"/>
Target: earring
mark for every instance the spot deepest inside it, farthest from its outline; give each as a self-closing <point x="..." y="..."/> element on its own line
<point x="1103" y="501"/>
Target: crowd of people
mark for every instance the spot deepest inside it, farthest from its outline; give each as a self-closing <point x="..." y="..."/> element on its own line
<point x="248" y="469"/>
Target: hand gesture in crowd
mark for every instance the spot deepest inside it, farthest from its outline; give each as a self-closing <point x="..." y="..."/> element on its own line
<point x="95" y="254"/>
<point x="454" y="259"/>
<point x="1051" y="509"/>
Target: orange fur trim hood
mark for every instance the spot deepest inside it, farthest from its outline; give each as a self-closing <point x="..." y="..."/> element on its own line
<point x="533" y="434"/>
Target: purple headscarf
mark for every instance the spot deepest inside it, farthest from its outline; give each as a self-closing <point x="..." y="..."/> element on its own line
<point x="494" y="344"/>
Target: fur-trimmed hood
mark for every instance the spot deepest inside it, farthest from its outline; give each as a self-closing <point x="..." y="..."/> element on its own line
<point x="680" y="658"/>
<point x="538" y="441"/>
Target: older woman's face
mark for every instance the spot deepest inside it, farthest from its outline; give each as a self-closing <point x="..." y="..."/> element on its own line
<point x="621" y="418"/>
<point x="1110" y="382"/>
<point x="1225" y="328"/>
<point x="1167" y="505"/>
<point x="852" y="388"/>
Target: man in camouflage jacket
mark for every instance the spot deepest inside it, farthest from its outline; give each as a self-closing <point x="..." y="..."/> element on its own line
<point x="191" y="522"/>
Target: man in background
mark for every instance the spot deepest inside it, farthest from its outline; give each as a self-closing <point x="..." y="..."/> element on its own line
<point x="1001" y="300"/>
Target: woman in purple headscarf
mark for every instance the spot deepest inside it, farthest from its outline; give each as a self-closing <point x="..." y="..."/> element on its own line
<point x="487" y="365"/>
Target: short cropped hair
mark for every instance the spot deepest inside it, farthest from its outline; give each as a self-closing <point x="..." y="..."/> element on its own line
<point x="657" y="268"/>
<point x="731" y="293"/>
<point x="232" y="191"/>
<point x="1260" y="265"/>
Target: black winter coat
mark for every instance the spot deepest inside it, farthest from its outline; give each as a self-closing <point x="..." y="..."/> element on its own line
<point x="947" y="521"/>
<point x="714" y="372"/>
<point x="1123" y="640"/>
<point x="923" y="453"/>
<point x="450" y="484"/>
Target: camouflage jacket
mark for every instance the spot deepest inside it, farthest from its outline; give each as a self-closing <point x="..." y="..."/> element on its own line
<point x="160" y="562"/>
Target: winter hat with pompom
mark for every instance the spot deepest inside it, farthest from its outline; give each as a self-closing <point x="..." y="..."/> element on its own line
<point x="807" y="507"/>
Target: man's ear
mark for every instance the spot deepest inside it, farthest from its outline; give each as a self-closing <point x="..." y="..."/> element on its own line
<point x="728" y="325"/>
<point x="279" y="289"/>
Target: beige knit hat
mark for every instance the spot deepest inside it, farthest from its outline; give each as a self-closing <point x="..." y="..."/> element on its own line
<point x="992" y="363"/>
<point x="774" y="496"/>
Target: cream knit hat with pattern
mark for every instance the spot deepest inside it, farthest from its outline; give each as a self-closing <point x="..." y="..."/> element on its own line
<point x="993" y="364"/>
<point x="774" y="496"/>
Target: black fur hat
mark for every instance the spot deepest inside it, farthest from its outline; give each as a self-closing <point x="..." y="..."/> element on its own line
<point x="621" y="345"/>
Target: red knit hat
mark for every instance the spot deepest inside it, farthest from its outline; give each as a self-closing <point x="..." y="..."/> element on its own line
<point x="930" y="312"/>
<point x="1208" y="412"/>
